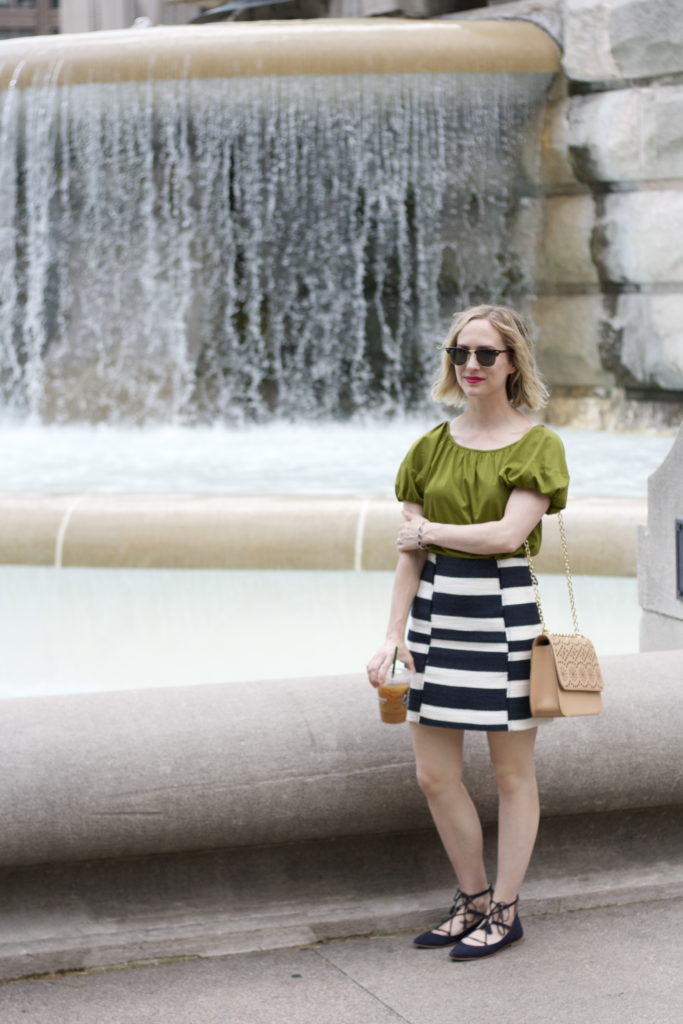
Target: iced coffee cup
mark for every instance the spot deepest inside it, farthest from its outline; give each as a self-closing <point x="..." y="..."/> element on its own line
<point x="392" y="696"/>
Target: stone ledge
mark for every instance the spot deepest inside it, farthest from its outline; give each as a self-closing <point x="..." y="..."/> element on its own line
<point x="323" y="46"/>
<point x="134" y="773"/>
<point x="212" y="903"/>
<point x="241" y="532"/>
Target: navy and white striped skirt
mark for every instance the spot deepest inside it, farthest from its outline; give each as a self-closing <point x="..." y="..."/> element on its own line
<point x="470" y="632"/>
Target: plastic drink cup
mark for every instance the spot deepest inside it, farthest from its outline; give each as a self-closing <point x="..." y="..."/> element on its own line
<point x="391" y="694"/>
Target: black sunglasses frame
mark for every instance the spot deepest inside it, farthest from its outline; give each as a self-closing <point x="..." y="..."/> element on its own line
<point x="459" y="355"/>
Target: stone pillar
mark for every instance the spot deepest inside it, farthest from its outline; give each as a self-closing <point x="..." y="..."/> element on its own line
<point x="658" y="553"/>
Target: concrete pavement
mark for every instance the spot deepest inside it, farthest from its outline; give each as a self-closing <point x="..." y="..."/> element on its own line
<point x="606" y="965"/>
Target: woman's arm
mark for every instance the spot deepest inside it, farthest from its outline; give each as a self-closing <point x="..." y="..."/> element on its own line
<point x="406" y="581"/>
<point x="523" y="511"/>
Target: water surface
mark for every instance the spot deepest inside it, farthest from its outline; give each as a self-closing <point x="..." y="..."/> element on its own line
<point x="278" y="458"/>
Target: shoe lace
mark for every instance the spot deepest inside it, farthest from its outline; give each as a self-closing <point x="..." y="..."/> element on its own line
<point x="463" y="903"/>
<point x="495" y="918"/>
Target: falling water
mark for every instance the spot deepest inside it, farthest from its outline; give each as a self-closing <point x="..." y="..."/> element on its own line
<point x="207" y="251"/>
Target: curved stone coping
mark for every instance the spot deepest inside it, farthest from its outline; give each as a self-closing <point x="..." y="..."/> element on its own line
<point x="311" y="47"/>
<point x="278" y="532"/>
<point x="152" y="771"/>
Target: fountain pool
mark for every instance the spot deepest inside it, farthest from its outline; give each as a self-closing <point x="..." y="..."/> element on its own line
<point x="82" y="629"/>
<point x="87" y="630"/>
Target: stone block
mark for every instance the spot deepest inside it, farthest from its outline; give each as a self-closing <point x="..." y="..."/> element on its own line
<point x="637" y="237"/>
<point x="587" y="50"/>
<point x="555" y="167"/>
<point x="569" y="340"/>
<point x="612" y="39"/>
<point x="646" y="38"/>
<point x="626" y="135"/>
<point x="649" y="331"/>
<point x="564" y="254"/>
<point x="657" y="552"/>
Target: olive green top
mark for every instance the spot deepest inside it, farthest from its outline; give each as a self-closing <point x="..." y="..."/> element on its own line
<point x="461" y="485"/>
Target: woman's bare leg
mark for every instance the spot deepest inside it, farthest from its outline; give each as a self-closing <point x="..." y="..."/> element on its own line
<point x="439" y="762"/>
<point x="512" y="755"/>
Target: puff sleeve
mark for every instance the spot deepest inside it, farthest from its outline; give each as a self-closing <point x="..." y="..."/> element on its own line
<point x="413" y="471"/>
<point x="539" y="464"/>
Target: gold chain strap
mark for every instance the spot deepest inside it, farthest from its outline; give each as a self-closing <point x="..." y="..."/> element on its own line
<point x="568" y="573"/>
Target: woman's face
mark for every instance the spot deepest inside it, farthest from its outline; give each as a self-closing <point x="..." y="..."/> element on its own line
<point x="476" y="380"/>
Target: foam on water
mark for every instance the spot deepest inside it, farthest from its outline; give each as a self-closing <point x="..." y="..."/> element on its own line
<point x="334" y="458"/>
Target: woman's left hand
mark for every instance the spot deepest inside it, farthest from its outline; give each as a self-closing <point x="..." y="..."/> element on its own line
<point x="412" y="528"/>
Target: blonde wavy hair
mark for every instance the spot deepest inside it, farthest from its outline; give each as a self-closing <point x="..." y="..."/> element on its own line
<point x="525" y="386"/>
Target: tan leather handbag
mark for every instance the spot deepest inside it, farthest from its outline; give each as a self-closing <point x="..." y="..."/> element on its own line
<point x="565" y="673"/>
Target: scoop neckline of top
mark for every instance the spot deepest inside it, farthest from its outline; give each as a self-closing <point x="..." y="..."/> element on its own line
<point x="486" y="450"/>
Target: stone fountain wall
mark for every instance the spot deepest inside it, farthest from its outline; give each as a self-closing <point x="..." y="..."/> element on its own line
<point x="609" y="207"/>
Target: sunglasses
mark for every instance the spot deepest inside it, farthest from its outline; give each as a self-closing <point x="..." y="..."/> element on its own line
<point x="484" y="356"/>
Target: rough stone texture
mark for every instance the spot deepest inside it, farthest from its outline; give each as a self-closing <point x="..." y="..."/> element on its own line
<point x="564" y="255"/>
<point x="587" y="50"/>
<point x="627" y="135"/>
<point x="613" y="408"/>
<point x="556" y="168"/>
<point x="611" y="39"/>
<point x="663" y="622"/>
<point x="187" y="768"/>
<point x="552" y="236"/>
<point x="549" y="14"/>
<point x="638" y="238"/>
<point x="650" y="332"/>
<point x="646" y="38"/>
<point x="569" y="339"/>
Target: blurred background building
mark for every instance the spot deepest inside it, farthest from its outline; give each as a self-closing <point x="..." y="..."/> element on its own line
<point x="37" y="17"/>
<point x="28" y="17"/>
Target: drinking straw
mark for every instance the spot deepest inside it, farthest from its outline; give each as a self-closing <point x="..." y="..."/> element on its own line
<point x="393" y="667"/>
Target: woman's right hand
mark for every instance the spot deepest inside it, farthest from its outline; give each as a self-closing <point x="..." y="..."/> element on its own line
<point x="380" y="663"/>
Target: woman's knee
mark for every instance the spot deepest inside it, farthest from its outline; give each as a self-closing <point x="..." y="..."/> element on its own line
<point x="514" y="778"/>
<point x="435" y="780"/>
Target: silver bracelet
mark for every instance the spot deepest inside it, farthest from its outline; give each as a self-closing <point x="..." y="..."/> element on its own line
<point x="419" y="535"/>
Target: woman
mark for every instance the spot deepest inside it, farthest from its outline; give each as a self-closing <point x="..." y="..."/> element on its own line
<point x="473" y="490"/>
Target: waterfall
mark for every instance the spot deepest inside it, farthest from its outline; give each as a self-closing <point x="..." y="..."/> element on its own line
<point x="227" y="250"/>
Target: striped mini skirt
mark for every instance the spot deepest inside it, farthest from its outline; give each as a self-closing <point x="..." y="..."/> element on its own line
<point x="470" y="632"/>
